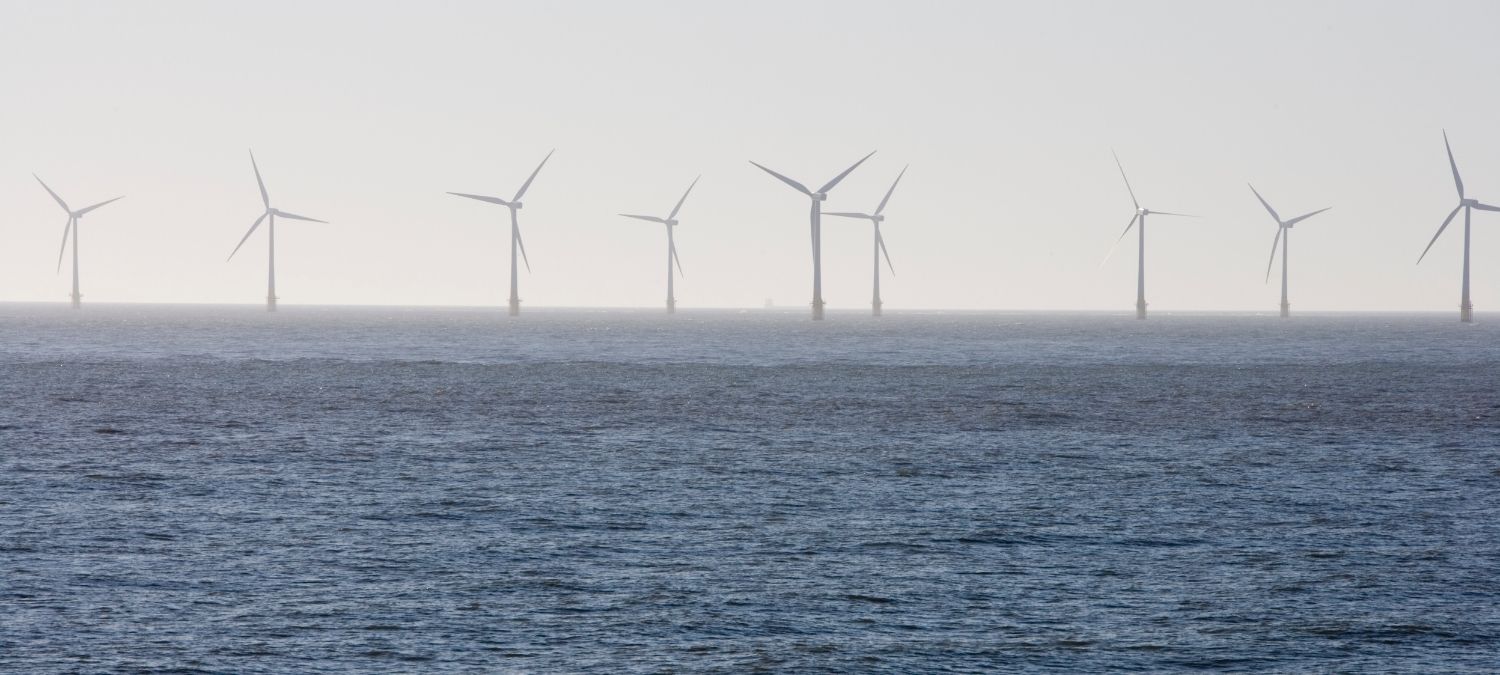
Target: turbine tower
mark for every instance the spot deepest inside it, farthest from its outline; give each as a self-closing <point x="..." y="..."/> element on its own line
<point x="1465" y="308"/>
<point x="71" y="227"/>
<point x="270" y="215"/>
<point x="1283" y="234"/>
<point x="671" y="222"/>
<point x="876" y="218"/>
<point x="1140" y="215"/>
<point x="817" y="198"/>
<point x="515" y="231"/>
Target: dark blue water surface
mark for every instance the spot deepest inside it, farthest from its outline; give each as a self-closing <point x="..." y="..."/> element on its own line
<point x="388" y="490"/>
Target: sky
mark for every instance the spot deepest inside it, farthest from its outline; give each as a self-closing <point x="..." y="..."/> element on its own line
<point x="365" y="113"/>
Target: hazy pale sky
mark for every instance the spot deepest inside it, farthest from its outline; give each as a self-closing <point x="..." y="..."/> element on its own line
<point x="365" y="113"/>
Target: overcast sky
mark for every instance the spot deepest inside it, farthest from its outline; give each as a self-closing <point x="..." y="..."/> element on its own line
<point x="365" y="113"/>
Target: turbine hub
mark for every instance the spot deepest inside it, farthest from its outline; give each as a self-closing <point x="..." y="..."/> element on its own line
<point x="878" y="218"/>
<point x="671" y="223"/>
<point x="1144" y="212"/>
<point x="515" y="206"/>
<point x="1470" y="202"/>
<point x="820" y="196"/>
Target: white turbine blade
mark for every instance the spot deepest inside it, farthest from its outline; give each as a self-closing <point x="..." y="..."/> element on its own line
<point x="524" y="186"/>
<point x="1442" y="227"/>
<point x="653" y="219"/>
<point x="522" y="243"/>
<point x="492" y="200"/>
<point x="1268" y="206"/>
<point x="887" y="198"/>
<point x="60" y="201"/>
<point x="1168" y="213"/>
<point x="795" y="185"/>
<point x="677" y="208"/>
<point x="293" y="216"/>
<point x="845" y="214"/>
<point x="881" y="239"/>
<point x="1486" y="207"/>
<point x="837" y="179"/>
<point x="1305" y="216"/>
<point x="1116" y="245"/>
<point x="1457" y="182"/>
<point x="86" y="209"/>
<point x="677" y="260"/>
<point x="1127" y="180"/>
<point x="247" y="236"/>
<point x="1274" y="242"/>
<point x="264" y="197"/>
<point x="68" y="227"/>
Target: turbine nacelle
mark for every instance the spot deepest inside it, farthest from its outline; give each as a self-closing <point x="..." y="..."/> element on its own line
<point x="515" y="206"/>
<point x="819" y="196"/>
<point x="671" y="223"/>
<point x="877" y="218"/>
<point x="1469" y="202"/>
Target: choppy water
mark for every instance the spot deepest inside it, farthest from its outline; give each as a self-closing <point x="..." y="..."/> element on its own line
<point x="370" y="490"/>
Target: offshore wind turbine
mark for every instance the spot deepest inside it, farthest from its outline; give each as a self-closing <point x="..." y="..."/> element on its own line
<point x="817" y="197"/>
<point x="1465" y="308"/>
<point x="270" y="215"/>
<point x="671" y="222"/>
<point x="514" y="204"/>
<point x="71" y="227"/>
<point x="876" y="219"/>
<point x="1283" y="234"/>
<point x="1139" y="216"/>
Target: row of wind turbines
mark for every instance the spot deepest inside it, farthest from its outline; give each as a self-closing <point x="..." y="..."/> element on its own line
<point x="815" y="214"/>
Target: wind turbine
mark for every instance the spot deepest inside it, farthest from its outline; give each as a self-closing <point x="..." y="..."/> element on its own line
<point x="515" y="230"/>
<point x="1283" y="234"/>
<point x="1140" y="215"/>
<point x="72" y="226"/>
<point x="817" y="198"/>
<point x="671" y="222"/>
<point x="1465" y="308"/>
<point x="876" y="218"/>
<point x="270" y="215"/>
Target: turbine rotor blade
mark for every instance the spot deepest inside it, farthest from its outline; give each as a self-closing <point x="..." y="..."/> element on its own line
<point x="677" y="208"/>
<point x="795" y="185"/>
<point x="881" y="240"/>
<point x="1116" y="245"/>
<point x="86" y="209"/>
<point x="1486" y="207"/>
<point x="293" y="216"/>
<point x="677" y="260"/>
<point x="653" y="219"/>
<point x="837" y="179"/>
<point x="265" y="197"/>
<point x="524" y="186"/>
<point x="522" y="243"/>
<point x="887" y="198"/>
<point x="68" y="227"/>
<point x="60" y="201"/>
<point x="1442" y="227"/>
<point x="1305" y="216"/>
<point x="1274" y="242"/>
<point x="491" y="200"/>
<point x="1179" y="215"/>
<point x="247" y="235"/>
<point x="1268" y="206"/>
<point x="1127" y="180"/>
<point x="1457" y="182"/>
<point x="845" y="214"/>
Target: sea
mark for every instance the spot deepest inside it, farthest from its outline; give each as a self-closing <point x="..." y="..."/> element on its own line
<point x="217" y="489"/>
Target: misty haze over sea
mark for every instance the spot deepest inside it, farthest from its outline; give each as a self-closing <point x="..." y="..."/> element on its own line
<point x="218" y="489"/>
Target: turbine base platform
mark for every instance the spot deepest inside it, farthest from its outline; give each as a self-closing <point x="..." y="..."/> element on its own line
<point x="817" y="309"/>
<point x="1286" y="309"/>
<point x="1140" y="310"/>
<point x="1466" y="313"/>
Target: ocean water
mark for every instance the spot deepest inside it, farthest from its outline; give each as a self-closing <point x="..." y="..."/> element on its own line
<point x="338" y="490"/>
